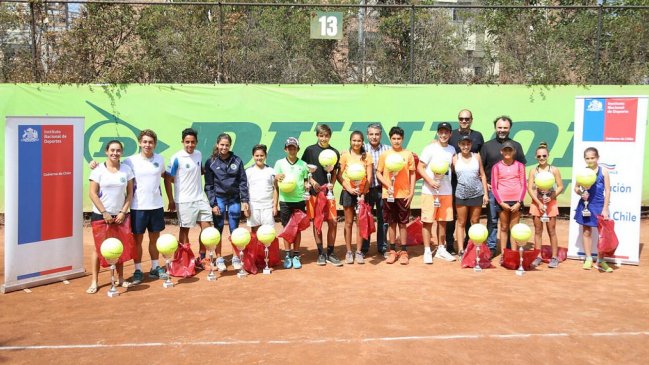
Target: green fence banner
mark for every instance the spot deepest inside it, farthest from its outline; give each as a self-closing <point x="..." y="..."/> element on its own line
<point x="269" y="114"/>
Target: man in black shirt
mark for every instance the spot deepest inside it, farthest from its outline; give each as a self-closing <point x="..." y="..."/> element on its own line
<point x="490" y="154"/>
<point x="465" y="119"/>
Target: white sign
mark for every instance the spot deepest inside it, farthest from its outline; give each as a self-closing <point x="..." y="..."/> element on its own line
<point x="616" y="126"/>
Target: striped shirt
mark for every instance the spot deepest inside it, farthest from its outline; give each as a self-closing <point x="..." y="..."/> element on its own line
<point x="375" y="157"/>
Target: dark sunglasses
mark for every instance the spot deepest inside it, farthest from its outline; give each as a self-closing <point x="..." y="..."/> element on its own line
<point x="539" y="156"/>
<point x="464" y="119"/>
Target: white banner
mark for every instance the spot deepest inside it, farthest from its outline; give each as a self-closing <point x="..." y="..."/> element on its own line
<point x="43" y="199"/>
<point x="616" y="126"/>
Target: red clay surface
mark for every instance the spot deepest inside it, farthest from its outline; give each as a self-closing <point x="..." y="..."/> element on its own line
<point x="368" y="313"/>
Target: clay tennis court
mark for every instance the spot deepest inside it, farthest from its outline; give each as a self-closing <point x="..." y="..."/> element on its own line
<point x="358" y="313"/>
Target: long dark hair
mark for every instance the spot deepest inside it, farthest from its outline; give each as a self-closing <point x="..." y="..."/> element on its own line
<point x="363" y="152"/>
<point x="215" y="150"/>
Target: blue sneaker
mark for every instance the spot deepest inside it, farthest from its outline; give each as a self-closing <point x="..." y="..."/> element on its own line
<point x="158" y="273"/>
<point x="288" y="262"/>
<point x="297" y="264"/>
<point x="137" y="278"/>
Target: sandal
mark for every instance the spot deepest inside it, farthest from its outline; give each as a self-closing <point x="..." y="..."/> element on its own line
<point x="92" y="289"/>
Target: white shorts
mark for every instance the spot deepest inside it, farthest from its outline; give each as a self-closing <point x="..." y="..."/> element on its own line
<point x="260" y="217"/>
<point x="190" y="213"/>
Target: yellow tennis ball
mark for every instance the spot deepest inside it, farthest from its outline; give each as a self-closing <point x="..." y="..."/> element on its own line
<point x="288" y="184"/>
<point x="544" y="180"/>
<point x="266" y="234"/>
<point x="111" y="248"/>
<point x="439" y="166"/>
<point x="478" y="233"/>
<point x="210" y="237"/>
<point x="240" y="237"/>
<point x="394" y="162"/>
<point x="521" y="232"/>
<point x="586" y="177"/>
<point x="327" y="158"/>
<point x="356" y="172"/>
<point x="167" y="244"/>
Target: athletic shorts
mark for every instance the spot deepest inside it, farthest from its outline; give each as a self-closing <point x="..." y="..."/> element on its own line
<point x="471" y="202"/>
<point x="348" y="200"/>
<point x="443" y="213"/>
<point x="396" y="212"/>
<point x="286" y="210"/>
<point x="511" y="204"/>
<point x="552" y="209"/>
<point x="152" y="220"/>
<point x="190" y="213"/>
<point x="260" y="217"/>
<point x="310" y="208"/>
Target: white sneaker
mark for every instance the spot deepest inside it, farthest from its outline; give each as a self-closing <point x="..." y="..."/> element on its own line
<point x="220" y="264"/>
<point x="443" y="254"/>
<point x="236" y="263"/>
<point x="428" y="257"/>
<point x="349" y="257"/>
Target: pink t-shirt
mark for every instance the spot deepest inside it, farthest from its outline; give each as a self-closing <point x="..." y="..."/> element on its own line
<point x="508" y="182"/>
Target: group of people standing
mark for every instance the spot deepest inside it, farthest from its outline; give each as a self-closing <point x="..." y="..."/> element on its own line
<point x="490" y="174"/>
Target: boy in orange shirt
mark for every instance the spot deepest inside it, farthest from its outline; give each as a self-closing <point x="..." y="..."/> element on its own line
<point x="397" y="212"/>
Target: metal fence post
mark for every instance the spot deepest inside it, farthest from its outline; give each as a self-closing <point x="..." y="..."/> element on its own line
<point x="221" y="76"/>
<point x="34" y="46"/>
<point x="599" y="40"/>
<point x="412" y="44"/>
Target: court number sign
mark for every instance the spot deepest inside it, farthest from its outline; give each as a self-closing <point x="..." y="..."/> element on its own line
<point x="326" y="25"/>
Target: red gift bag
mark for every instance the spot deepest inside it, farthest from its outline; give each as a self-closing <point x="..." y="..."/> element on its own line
<point x="365" y="220"/>
<point x="413" y="230"/>
<point x="249" y="254"/>
<point x="511" y="259"/>
<point x="546" y="253"/>
<point x="468" y="260"/>
<point x="102" y="230"/>
<point x="273" y="255"/>
<point x="299" y="222"/>
<point x="608" y="241"/>
<point x="183" y="264"/>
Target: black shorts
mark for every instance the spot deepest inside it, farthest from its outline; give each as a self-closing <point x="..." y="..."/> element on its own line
<point x="152" y="220"/>
<point x="286" y="210"/>
<point x="348" y="200"/>
<point x="471" y="202"/>
<point x="396" y="212"/>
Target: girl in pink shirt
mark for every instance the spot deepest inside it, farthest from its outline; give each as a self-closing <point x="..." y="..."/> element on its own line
<point x="509" y="185"/>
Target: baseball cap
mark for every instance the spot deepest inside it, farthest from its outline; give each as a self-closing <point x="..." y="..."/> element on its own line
<point x="445" y="125"/>
<point x="507" y="144"/>
<point x="291" y="141"/>
<point x="464" y="137"/>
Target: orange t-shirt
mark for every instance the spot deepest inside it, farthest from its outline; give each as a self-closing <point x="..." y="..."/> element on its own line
<point x="347" y="158"/>
<point x="402" y="180"/>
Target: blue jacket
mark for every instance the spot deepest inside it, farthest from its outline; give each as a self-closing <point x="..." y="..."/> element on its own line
<point x="226" y="179"/>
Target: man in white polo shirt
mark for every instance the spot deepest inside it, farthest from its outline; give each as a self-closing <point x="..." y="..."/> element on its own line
<point x="147" y="212"/>
<point x="185" y="168"/>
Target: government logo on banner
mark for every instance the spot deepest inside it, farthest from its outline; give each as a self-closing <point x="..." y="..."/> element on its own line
<point x="30" y="135"/>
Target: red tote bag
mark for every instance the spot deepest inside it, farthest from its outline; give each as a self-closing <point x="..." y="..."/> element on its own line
<point x="102" y="230"/>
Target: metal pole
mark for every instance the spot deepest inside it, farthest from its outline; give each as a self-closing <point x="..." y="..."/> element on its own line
<point x="599" y="39"/>
<point x="221" y="76"/>
<point x="34" y="47"/>
<point x="412" y="44"/>
<point x="361" y="38"/>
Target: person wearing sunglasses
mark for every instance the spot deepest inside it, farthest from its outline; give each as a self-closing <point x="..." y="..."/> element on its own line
<point x="544" y="203"/>
<point x="465" y="120"/>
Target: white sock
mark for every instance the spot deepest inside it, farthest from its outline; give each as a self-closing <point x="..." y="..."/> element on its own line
<point x="427" y="250"/>
<point x="154" y="264"/>
<point x="138" y="266"/>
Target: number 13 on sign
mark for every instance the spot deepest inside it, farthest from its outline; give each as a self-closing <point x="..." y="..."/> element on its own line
<point x="326" y="25"/>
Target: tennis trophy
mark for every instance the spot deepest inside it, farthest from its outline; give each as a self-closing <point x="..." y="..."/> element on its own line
<point x="311" y="169"/>
<point x="520" y="234"/>
<point x="439" y="169"/>
<point x="586" y="177"/>
<point x="478" y="234"/>
<point x="211" y="237"/>
<point x="544" y="181"/>
<point x="111" y="249"/>
<point x="328" y="159"/>
<point x="240" y="237"/>
<point x="393" y="163"/>
<point x="167" y="246"/>
<point x="266" y="235"/>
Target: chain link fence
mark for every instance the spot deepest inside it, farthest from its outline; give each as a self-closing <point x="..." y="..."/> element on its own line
<point x="384" y="42"/>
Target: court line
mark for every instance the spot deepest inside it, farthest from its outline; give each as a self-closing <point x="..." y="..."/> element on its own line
<point x="502" y="336"/>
